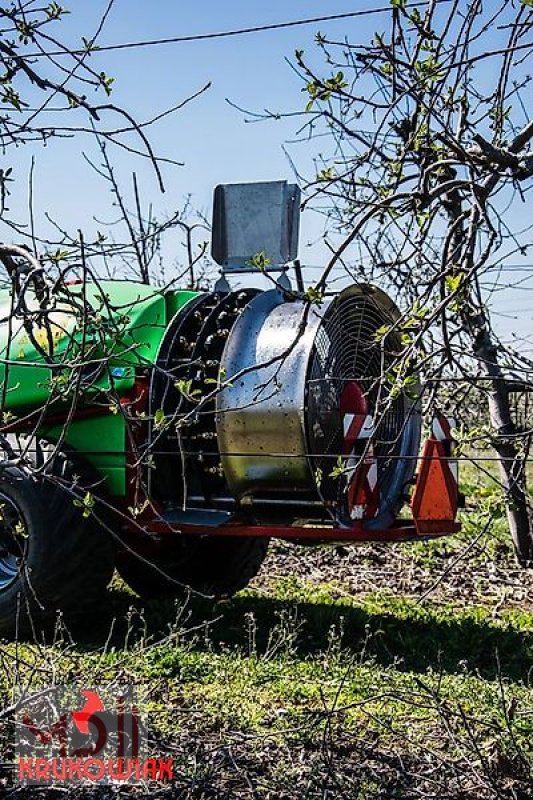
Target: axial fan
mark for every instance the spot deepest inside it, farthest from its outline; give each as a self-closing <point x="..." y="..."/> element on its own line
<point x="352" y="415"/>
<point x="306" y="408"/>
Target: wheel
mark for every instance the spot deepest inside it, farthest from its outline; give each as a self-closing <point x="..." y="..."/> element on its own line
<point x="211" y="565"/>
<point x="53" y="554"/>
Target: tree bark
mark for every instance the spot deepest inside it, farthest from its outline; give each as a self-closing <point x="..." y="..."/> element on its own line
<point x="510" y="461"/>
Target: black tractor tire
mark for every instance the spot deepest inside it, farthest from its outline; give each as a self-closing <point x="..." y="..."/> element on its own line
<point x="212" y="566"/>
<point x="54" y="555"/>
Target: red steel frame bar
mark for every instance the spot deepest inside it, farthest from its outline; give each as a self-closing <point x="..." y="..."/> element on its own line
<point x="429" y="485"/>
<point x="399" y="532"/>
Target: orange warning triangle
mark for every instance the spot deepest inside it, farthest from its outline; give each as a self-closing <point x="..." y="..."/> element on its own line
<point x="435" y="495"/>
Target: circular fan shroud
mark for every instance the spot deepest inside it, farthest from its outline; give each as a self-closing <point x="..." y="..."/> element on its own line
<point x="346" y="349"/>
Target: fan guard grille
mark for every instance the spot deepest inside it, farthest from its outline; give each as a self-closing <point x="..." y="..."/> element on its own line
<point x="345" y="350"/>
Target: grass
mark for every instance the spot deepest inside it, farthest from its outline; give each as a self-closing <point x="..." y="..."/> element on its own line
<point x="333" y="669"/>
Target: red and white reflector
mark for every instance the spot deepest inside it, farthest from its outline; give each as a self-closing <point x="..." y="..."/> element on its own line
<point x="363" y="494"/>
<point x="361" y="466"/>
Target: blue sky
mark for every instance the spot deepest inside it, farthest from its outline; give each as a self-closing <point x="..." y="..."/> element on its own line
<point x="210" y="137"/>
<point x="214" y="141"/>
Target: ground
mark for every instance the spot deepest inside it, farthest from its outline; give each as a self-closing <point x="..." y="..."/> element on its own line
<point x="357" y="672"/>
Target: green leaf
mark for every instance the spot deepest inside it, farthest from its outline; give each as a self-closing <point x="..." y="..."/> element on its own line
<point x="87" y="503"/>
<point x="59" y="255"/>
<point x="259" y="261"/>
<point x="136" y="511"/>
<point x="314" y="296"/>
<point x="160" y="419"/>
<point x="12" y="98"/>
<point x="26" y="29"/>
<point x="327" y="174"/>
<point x="185" y="387"/>
<point x="381" y="333"/>
<point x="106" y="82"/>
<point x="422" y="218"/>
<point x="338" y="470"/>
<point x="54" y="11"/>
<point x="419" y="311"/>
<point x="88" y="44"/>
<point x="453" y="282"/>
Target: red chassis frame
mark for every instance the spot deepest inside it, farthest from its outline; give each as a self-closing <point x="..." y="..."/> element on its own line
<point x="434" y="502"/>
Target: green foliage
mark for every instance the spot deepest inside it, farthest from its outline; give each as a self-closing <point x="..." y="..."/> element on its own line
<point x="185" y="388"/>
<point x="419" y="311"/>
<point x="12" y="97"/>
<point x="88" y="44"/>
<point x="327" y="174"/>
<point x="25" y="28"/>
<point x="30" y="22"/>
<point x="260" y="261"/>
<point x="314" y="295"/>
<point x="106" y="82"/>
<point x="394" y="168"/>
<point x="339" y="468"/>
<point x="429" y="70"/>
<point x="136" y="511"/>
<point x="420" y="137"/>
<point x="55" y="11"/>
<point x="86" y="503"/>
<point x="401" y="380"/>
<point x="498" y="115"/>
<point x="160" y="420"/>
<point x="322" y="90"/>
<point x="422" y="219"/>
<point x="381" y="333"/>
<point x="453" y="282"/>
<point x="455" y="286"/>
<point x="58" y="256"/>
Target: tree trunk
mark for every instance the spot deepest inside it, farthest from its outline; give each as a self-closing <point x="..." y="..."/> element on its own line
<point x="510" y="460"/>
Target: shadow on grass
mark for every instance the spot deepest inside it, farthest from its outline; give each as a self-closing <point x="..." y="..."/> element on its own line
<point x="415" y="641"/>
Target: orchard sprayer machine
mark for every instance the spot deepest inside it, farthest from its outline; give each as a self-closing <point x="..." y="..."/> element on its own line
<point x="172" y="433"/>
